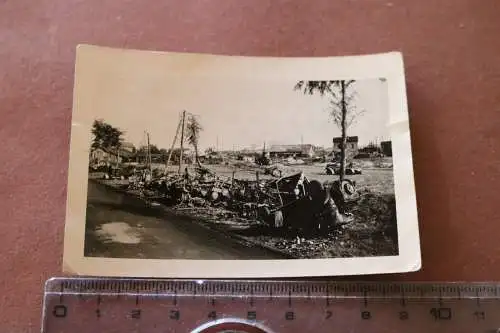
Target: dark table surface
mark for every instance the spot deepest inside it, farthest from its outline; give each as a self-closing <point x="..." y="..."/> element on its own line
<point x="451" y="49"/>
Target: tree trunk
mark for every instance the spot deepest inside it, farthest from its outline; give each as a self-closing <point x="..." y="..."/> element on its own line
<point x="196" y="156"/>
<point x="344" y="134"/>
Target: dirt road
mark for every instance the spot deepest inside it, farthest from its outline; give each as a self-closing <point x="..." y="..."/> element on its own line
<point x="122" y="226"/>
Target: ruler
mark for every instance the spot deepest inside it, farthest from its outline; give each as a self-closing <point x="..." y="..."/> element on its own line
<point x="208" y="306"/>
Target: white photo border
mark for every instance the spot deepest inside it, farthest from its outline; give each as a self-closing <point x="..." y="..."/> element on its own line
<point x="89" y="61"/>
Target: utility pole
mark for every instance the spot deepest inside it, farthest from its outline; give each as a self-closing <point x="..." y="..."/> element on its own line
<point x="149" y="160"/>
<point x="173" y="145"/>
<point x="182" y="140"/>
<point x="117" y="157"/>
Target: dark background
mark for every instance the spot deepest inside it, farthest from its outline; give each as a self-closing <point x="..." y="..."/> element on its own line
<point x="451" y="50"/>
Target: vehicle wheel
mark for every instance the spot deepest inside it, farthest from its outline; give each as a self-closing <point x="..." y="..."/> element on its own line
<point x="275" y="173"/>
<point x="348" y="188"/>
<point x="329" y="171"/>
<point x="343" y="192"/>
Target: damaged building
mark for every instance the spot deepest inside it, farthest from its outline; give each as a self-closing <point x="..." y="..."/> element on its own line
<point x="285" y="151"/>
<point x="352" y="148"/>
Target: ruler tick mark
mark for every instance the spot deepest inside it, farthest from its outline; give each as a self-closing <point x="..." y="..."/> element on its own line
<point x="98" y="299"/>
<point x="137" y="300"/>
<point x="61" y="289"/>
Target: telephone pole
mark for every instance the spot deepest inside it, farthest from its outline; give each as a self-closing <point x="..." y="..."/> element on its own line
<point x="149" y="160"/>
<point x="173" y="145"/>
<point x="182" y="140"/>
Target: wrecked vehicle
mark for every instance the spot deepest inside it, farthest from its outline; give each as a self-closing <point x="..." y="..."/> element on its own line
<point x="262" y="160"/>
<point x="291" y="203"/>
<point x="333" y="168"/>
<point x="275" y="170"/>
<point x="299" y="203"/>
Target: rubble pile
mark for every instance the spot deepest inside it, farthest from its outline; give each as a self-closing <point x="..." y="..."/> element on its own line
<point x="291" y="214"/>
<point x="289" y="202"/>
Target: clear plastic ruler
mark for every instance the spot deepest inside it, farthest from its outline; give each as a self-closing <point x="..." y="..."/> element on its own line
<point x="143" y="305"/>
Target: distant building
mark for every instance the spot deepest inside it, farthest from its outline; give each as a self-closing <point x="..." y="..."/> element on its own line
<point x="103" y="156"/>
<point x="370" y="149"/>
<point x="127" y="151"/>
<point x="246" y="158"/>
<point x="351" y="147"/>
<point x="304" y="150"/>
<point x="127" y="147"/>
<point x="250" y="152"/>
<point x="386" y="147"/>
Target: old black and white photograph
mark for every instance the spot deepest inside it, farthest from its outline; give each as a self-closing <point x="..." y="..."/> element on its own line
<point x="186" y="165"/>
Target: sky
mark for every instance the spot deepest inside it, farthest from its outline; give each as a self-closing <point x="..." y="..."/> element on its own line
<point x="235" y="113"/>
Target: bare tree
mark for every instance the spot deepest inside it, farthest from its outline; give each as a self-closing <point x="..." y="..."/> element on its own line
<point x="342" y="109"/>
<point x="193" y="130"/>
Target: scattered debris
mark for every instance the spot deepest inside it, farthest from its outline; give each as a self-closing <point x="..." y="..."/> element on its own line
<point x="299" y="216"/>
<point x="290" y="202"/>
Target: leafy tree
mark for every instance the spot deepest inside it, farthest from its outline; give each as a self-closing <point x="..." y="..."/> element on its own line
<point x="153" y="149"/>
<point x="157" y="154"/>
<point x="193" y="130"/>
<point x="342" y="109"/>
<point x="106" y="136"/>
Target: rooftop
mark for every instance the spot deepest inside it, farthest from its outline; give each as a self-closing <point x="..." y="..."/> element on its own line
<point x="290" y="148"/>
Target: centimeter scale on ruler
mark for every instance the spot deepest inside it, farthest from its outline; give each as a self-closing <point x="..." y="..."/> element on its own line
<point x="128" y="305"/>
